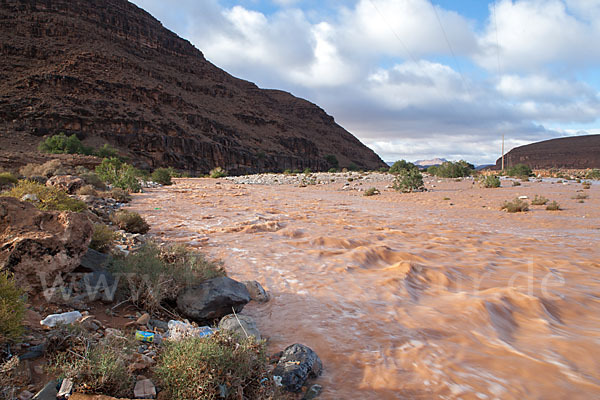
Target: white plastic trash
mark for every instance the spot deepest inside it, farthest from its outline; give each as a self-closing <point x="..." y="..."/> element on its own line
<point x="180" y="330"/>
<point x="65" y="318"/>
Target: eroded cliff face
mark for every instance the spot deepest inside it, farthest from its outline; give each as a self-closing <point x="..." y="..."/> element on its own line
<point x="109" y="72"/>
<point x="577" y="152"/>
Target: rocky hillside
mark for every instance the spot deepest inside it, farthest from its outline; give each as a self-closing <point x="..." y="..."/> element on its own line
<point x="111" y="73"/>
<point x="577" y="152"/>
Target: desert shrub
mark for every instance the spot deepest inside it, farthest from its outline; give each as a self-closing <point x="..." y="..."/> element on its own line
<point x="87" y="190"/>
<point x="332" y="170"/>
<point x="47" y="169"/>
<point x="332" y="161"/>
<point x="12" y="309"/>
<point x="401" y="165"/>
<point x="6" y="179"/>
<point x="553" y="206"/>
<point x="63" y="144"/>
<point x="154" y="275"/>
<point x="162" y="176"/>
<point x="490" y="181"/>
<point x="11" y="378"/>
<point x="95" y="366"/>
<point x="200" y="368"/>
<point x="451" y="169"/>
<point x="119" y="174"/>
<point x="91" y="178"/>
<point x="517" y="205"/>
<point x="587" y="185"/>
<point x="176" y="173"/>
<point x="371" y="192"/>
<point x="102" y="238"/>
<point x="580" y="196"/>
<point x="409" y="181"/>
<point x="516" y="183"/>
<point x="120" y="195"/>
<point x="218" y="172"/>
<point x="50" y="198"/>
<point x="287" y="172"/>
<point x="593" y="174"/>
<point x="519" y="170"/>
<point x="106" y="151"/>
<point x="352" y="167"/>
<point x="539" y="200"/>
<point x="130" y="221"/>
<point x="307" y="171"/>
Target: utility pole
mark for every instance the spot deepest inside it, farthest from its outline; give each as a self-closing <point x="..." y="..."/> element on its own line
<point x="503" y="152"/>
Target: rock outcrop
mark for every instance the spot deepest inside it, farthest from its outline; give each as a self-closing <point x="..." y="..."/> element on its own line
<point x="38" y="246"/>
<point x="297" y="364"/>
<point x="109" y="72"/>
<point x="575" y="152"/>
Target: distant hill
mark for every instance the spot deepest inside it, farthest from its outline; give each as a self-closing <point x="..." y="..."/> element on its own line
<point x="109" y="72"/>
<point x="429" y="163"/>
<point x="576" y="152"/>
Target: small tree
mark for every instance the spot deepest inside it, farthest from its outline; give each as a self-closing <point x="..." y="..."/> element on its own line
<point x="519" y="170"/>
<point x="119" y="174"/>
<point x="409" y="180"/>
<point x="162" y="176"/>
<point x="401" y="165"/>
<point x="332" y="161"/>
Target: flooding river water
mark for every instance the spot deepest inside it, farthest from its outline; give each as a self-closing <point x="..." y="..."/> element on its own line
<point x="410" y="296"/>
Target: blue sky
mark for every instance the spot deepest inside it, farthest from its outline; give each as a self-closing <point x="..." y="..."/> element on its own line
<point x="414" y="79"/>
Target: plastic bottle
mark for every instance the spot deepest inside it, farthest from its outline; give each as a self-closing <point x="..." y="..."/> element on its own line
<point x="65" y="318"/>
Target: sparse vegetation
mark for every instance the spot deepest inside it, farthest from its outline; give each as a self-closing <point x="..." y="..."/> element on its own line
<point x="7" y="179"/>
<point x="218" y="172"/>
<point x="490" y="181"/>
<point x="63" y="144"/>
<point x="519" y="170"/>
<point x="332" y="161"/>
<point x="593" y="174"/>
<point x="450" y="169"/>
<point x="162" y="176"/>
<point x="539" y="201"/>
<point x="401" y="165"/>
<point x="49" y="198"/>
<point x="120" y="195"/>
<point x="91" y="178"/>
<point x="517" y="205"/>
<point x="409" y="181"/>
<point x="102" y="238"/>
<point x="371" y="192"/>
<point x="87" y="190"/>
<point x="119" y="174"/>
<point x="218" y="366"/>
<point x="106" y="151"/>
<point x="580" y="196"/>
<point x="587" y="185"/>
<point x="307" y="171"/>
<point x="516" y="183"/>
<point x="48" y="169"/>
<point x="332" y="170"/>
<point x="553" y="206"/>
<point x="12" y="309"/>
<point x="130" y="221"/>
<point x="154" y="275"/>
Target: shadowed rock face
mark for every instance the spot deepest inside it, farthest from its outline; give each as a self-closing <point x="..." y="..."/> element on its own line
<point x="576" y="152"/>
<point x="109" y="72"/>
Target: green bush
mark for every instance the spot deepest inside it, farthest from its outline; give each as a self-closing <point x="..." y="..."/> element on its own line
<point x="162" y="176"/>
<point x="119" y="174"/>
<point x="50" y="198"/>
<point x="307" y="171"/>
<point x="401" y="165"/>
<point x="102" y="238"/>
<point x="352" y="167"/>
<point x="490" y="181"/>
<point x="12" y="309"/>
<point x="218" y="172"/>
<point x="130" y="221"/>
<point x="409" y="181"/>
<point x="451" y="169"/>
<point x="175" y="173"/>
<point x="553" y="206"/>
<point x="517" y="205"/>
<point x="519" y="170"/>
<point x="154" y="275"/>
<point x="539" y="200"/>
<point x="332" y="170"/>
<point x="95" y="366"/>
<point x="6" y="179"/>
<point x="120" y="195"/>
<point x="287" y="172"/>
<point x="593" y="174"/>
<point x="332" y="161"/>
<point x="91" y="178"/>
<point x="106" y="151"/>
<point x="371" y="192"/>
<point x="218" y="366"/>
<point x="63" y="144"/>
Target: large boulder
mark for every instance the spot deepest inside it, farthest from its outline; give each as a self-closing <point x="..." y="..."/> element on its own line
<point x="68" y="183"/>
<point x="240" y="324"/>
<point x="297" y="364"/>
<point x="212" y="299"/>
<point x="38" y="246"/>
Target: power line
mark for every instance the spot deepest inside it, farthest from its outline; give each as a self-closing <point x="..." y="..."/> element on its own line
<point x="451" y="50"/>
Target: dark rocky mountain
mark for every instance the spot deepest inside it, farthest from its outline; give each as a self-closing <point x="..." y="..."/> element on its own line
<point x="576" y="152"/>
<point x="109" y="72"/>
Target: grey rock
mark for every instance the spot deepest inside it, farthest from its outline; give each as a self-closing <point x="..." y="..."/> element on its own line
<point x="144" y="389"/>
<point x="34" y="352"/>
<point x="313" y="392"/>
<point x="30" y="197"/>
<point x="297" y="364"/>
<point x="93" y="260"/>
<point x="49" y="392"/>
<point x="242" y="325"/>
<point x="257" y="292"/>
<point x="213" y="299"/>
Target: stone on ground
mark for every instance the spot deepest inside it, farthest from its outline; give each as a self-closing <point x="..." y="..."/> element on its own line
<point x="242" y="325"/>
<point x="297" y="364"/>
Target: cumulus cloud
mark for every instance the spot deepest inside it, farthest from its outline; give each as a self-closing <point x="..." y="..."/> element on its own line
<point x="385" y="70"/>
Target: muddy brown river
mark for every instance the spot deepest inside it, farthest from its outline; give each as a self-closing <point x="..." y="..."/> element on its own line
<point x="410" y="296"/>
